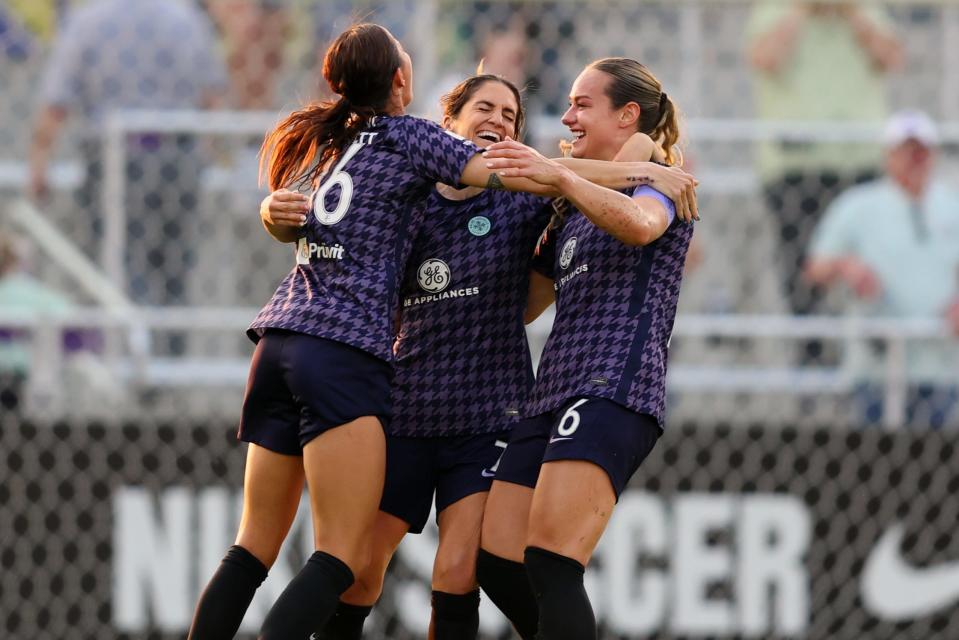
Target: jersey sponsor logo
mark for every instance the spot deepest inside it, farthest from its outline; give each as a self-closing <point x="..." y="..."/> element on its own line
<point x="559" y="439"/>
<point x="479" y="226"/>
<point x="566" y="255"/>
<point x="562" y="282"/>
<point x="305" y="251"/>
<point x="433" y="275"/>
<point x="895" y="591"/>
<point x="413" y="301"/>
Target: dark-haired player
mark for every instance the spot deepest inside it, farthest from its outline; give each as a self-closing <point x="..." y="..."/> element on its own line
<point x="597" y="407"/>
<point x="462" y="368"/>
<point x="318" y="394"/>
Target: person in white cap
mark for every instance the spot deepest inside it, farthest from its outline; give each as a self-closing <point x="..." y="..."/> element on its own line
<point x="894" y="244"/>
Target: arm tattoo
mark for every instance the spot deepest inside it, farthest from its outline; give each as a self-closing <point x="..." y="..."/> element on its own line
<point x="493" y="182"/>
<point x="640" y="179"/>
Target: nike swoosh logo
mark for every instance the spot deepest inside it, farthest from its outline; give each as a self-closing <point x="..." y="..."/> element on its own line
<point x="552" y="440"/>
<point x="487" y="474"/>
<point x="893" y="590"/>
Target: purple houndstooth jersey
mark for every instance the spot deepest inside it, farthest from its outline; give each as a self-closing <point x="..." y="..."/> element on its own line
<point x="350" y="257"/>
<point x="615" y="306"/>
<point x="462" y="361"/>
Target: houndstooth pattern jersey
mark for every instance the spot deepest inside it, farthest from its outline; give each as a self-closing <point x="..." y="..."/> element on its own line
<point x="615" y="307"/>
<point x="462" y="360"/>
<point x="366" y="210"/>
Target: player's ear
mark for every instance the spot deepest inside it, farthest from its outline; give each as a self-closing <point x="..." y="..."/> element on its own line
<point x="399" y="81"/>
<point x="629" y="115"/>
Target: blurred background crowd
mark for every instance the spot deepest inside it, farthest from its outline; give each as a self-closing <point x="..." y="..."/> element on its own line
<point x="824" y="282"/>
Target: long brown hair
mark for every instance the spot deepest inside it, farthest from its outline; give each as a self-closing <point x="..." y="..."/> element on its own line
<point x="359" y="66"/>
<point x="454" y="101"/>
<point x="631" y="81"/>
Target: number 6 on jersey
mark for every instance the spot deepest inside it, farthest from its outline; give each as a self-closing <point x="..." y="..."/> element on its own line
<point x="572" y="416"/>
<point x="345" y="181"/>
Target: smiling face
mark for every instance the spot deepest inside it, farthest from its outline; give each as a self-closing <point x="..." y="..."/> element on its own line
<point x="598" y="129"/>
<point x="489" y="116"/>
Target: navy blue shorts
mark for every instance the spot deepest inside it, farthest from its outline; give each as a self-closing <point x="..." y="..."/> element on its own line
<point x="301" y="386"/>
<point x="593" y="429"/>
<point x="453" y="467"/>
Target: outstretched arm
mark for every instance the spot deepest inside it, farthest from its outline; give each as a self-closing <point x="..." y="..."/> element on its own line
<point x="770" y="52"/>
<point x="631" y="220"/>
<point x="517" y="160"/>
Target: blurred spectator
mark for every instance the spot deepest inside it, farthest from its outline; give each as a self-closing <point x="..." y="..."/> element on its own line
<point x="123" y="54"/>
<point x="502" y="51"/>
<point x="254" y="36"/>
<point x="330" y="17"/>
<point x="816" y="61"/>
<point x="895" y="244"/>
<point x="16" y="42"/>
<point x="20" y="293"/>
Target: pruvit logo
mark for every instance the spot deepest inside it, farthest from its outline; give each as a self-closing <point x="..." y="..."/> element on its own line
<point x="566" y="255"/>
<point x="305" y="251"/>
<point x="895" y="591"/>
<point x="433" y="275"/>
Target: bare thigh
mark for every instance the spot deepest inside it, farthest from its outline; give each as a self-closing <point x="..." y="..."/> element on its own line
<point x="454" y="570"/>
<point x="345" y="467"/>
<point x="506" y="519"/>
<point x="272" y="487"/>
<point x="572" y="504"/>
<point x="388" y="532"/>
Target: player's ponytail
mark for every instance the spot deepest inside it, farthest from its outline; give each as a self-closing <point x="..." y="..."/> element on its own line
<point x="666" y="132"/>
<point x="631" y="81"/>
<point x="359" y="66"/>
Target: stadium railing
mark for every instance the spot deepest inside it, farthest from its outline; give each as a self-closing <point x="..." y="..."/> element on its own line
<point x="139" y="367"/>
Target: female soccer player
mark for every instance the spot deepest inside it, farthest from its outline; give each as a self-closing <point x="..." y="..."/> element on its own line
<point x="318" y="394"/>
<point x="462" y="366"/>
<point x="596" y="410"/>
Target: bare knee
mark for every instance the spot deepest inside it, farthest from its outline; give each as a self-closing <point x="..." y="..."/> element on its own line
<point x="373" y="561"/>
<point x="263" y="544"/>
<point x="367" y="588"/>
<point x="454" y="570"/>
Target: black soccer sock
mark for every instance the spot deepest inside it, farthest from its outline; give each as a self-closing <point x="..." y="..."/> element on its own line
<point x="506" y="583"/>
<point x="346" y="624"/>
<point x="227" y="596"/>
<point x="309" y="600"/>
<point x="455" y="616"/>
<point x="564" y="609"/>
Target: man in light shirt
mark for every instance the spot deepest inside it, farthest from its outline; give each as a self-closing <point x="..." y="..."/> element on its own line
<point x="894" y="244"/>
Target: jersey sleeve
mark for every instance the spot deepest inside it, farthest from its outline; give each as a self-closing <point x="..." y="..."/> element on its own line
<point x="647" y="191"/>
<point x="544" y="256"/>
<point x="435" y="153"/>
